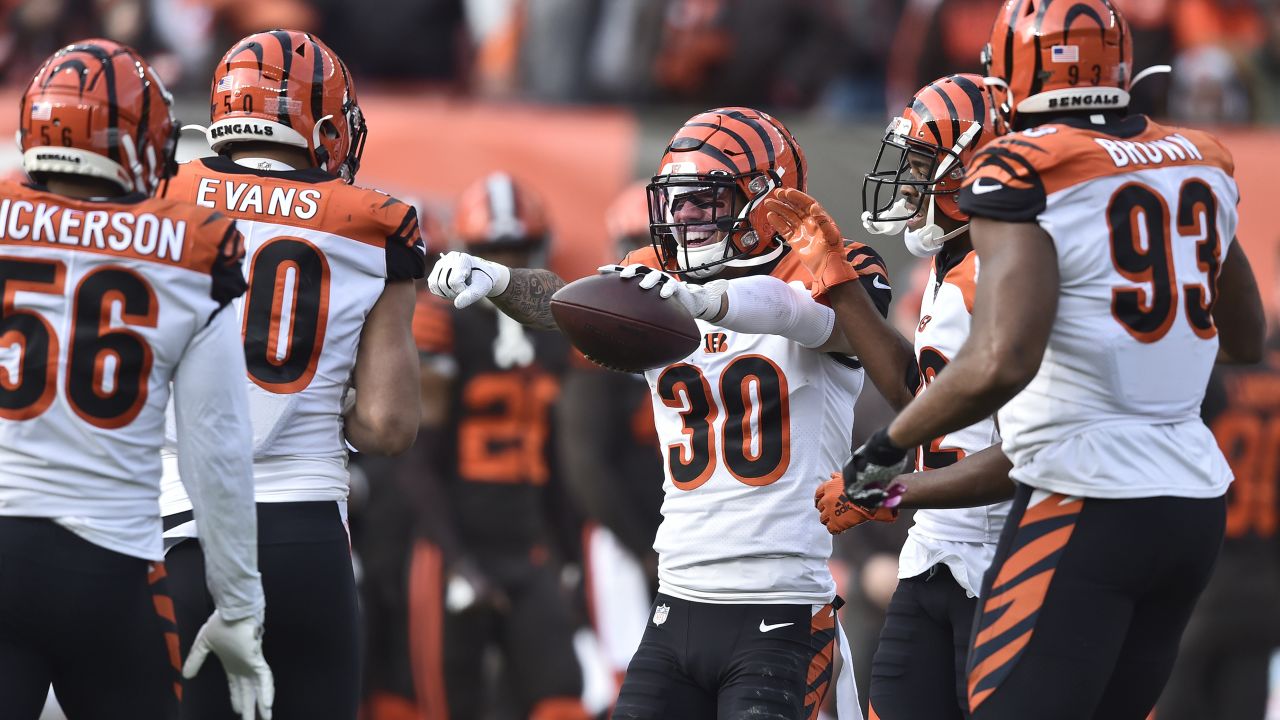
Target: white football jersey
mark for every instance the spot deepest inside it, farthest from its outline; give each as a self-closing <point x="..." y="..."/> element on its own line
<point x="1141" y="217"/>
<point x="101" y="302"/>
<point x="750" y="426"/>
<point x="962" y="538"/>
<point x="318" y="254"/>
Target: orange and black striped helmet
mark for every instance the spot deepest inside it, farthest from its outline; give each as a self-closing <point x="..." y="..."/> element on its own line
<point x="287" y="87"/>
<point x="497" y="211"/>
<point x="1059" y="56"/>
<point x="627" y="217"/>
<point x="716" y="168"/>
<point x="96" y="108"/>
<point x="929" y="148"/>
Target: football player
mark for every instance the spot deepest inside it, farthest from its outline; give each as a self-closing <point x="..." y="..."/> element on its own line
<point x="918" y="171"/>
<point x="328" y="348"/>
<point x="744" y="621"/>
<point x="1224" y="661"/>
<point x="609" y="452"/>
<point x="1109" y="284"/>
<point x="109" y="295"/>
<point x="486" y="443"/>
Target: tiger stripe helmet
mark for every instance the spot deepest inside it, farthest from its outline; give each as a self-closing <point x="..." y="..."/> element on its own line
<point x="1059" y="56"/>
<point x="497" y="211"/>
<point x="97" y="109"/>
<point x="627" y="217"/>
<point x="943" y="127"/>
<point x="728" y="157"/>
<point x="288" y="87"/>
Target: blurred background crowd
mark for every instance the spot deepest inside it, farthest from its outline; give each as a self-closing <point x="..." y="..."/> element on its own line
<point x="576" y="98"/>
<point x="848" y="59"/>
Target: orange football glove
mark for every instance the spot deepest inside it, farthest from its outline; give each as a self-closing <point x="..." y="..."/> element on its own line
<point x="811" y="233"/>
<point x="838" y="514"/>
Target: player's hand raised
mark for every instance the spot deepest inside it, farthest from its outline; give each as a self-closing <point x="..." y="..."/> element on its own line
<point x="869" y="474"/>
<point x="811" y="233"/>
<point x="238" y="645"/>
<point x="838" y="514"/>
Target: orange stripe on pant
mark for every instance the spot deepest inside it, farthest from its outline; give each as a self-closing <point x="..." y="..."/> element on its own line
<point x="823" y="624"/>
<point x="426" y="630"/>
<point x="1014" y="601"/>
<point x="164" y="608"/>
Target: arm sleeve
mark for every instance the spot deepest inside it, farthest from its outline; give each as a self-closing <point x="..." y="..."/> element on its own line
<point x="766" y="305"/>
<point x="872" y="274"/>
<point x="216" y="465"/>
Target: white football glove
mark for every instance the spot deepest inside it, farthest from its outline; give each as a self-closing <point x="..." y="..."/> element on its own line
<point x="464" y="278"/>
<point x="238" y="645"/>
<point x="702" y="301"/>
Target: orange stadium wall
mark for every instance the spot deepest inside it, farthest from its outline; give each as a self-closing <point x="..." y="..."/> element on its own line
<point x="428" y="149"/>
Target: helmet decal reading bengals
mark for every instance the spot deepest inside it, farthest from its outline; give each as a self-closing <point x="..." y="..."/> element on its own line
<point x="288" y="87"/>
<point x="1059" y="55"/>
<point x="716" y="169"/>
<point x="497" y="211"/>
<point x="928" y="148"/>
<point x="97" y="109"/>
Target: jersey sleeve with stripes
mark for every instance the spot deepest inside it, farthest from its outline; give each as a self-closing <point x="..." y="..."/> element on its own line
<point x="871" y="273"/>
<point x="1005" y="182"/>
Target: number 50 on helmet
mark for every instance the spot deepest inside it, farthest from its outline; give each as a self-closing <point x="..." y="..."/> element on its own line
<point x="287" y="87"/>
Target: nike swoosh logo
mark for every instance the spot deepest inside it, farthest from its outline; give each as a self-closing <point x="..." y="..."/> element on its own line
<point x="876" y="282"/>
<point x="767" y="628"/>
<point x="980" y="189"/>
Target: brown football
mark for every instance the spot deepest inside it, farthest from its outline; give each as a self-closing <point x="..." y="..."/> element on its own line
<point x="622" y="327"/>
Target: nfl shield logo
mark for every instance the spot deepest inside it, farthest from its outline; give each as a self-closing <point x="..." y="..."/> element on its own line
<point x="660" y="614"/>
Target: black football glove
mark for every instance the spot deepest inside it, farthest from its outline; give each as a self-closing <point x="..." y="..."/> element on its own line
<point x="869" y="474"/>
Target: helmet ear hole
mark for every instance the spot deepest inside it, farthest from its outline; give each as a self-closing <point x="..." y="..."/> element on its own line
<point x="329" y="129"/>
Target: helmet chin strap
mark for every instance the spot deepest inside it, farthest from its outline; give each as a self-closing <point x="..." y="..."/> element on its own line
<point x="886" y="227"/>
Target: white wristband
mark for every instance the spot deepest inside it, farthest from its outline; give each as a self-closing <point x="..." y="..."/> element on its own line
<point x="765" y="305"/>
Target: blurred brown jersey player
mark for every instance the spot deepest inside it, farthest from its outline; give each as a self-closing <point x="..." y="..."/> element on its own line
<point x="477" y="583"/>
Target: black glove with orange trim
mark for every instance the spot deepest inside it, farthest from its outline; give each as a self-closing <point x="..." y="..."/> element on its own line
<point x="838" y="513"/>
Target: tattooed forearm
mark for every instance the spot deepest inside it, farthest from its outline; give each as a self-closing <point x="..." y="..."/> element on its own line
<point x="528" y="297"/>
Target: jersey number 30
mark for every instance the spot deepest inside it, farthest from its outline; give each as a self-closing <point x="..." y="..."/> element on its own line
<point x="755" y="436"/>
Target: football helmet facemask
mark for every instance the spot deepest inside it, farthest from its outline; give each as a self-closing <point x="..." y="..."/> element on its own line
<point x="716" y="169"/>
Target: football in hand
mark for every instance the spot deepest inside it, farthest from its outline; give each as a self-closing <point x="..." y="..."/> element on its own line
<point x="622" y="327"/>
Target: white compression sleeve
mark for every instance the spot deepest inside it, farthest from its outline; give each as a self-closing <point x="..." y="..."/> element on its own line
<point x="765" y="305"/>
<point x="215" y="460"/>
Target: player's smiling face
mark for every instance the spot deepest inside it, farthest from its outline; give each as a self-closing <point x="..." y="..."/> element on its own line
<point x="698" y="210"/>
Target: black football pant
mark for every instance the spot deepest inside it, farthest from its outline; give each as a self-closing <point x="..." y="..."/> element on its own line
<point x="534" y="634"/>
<point x="922" y="650"/>
<point x="310" y="635"/>
<point x="95" y="623"/>
<point x="1085" y="602"/>
<point x="1223" y="668"/>
<point x="699" y="661"/>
